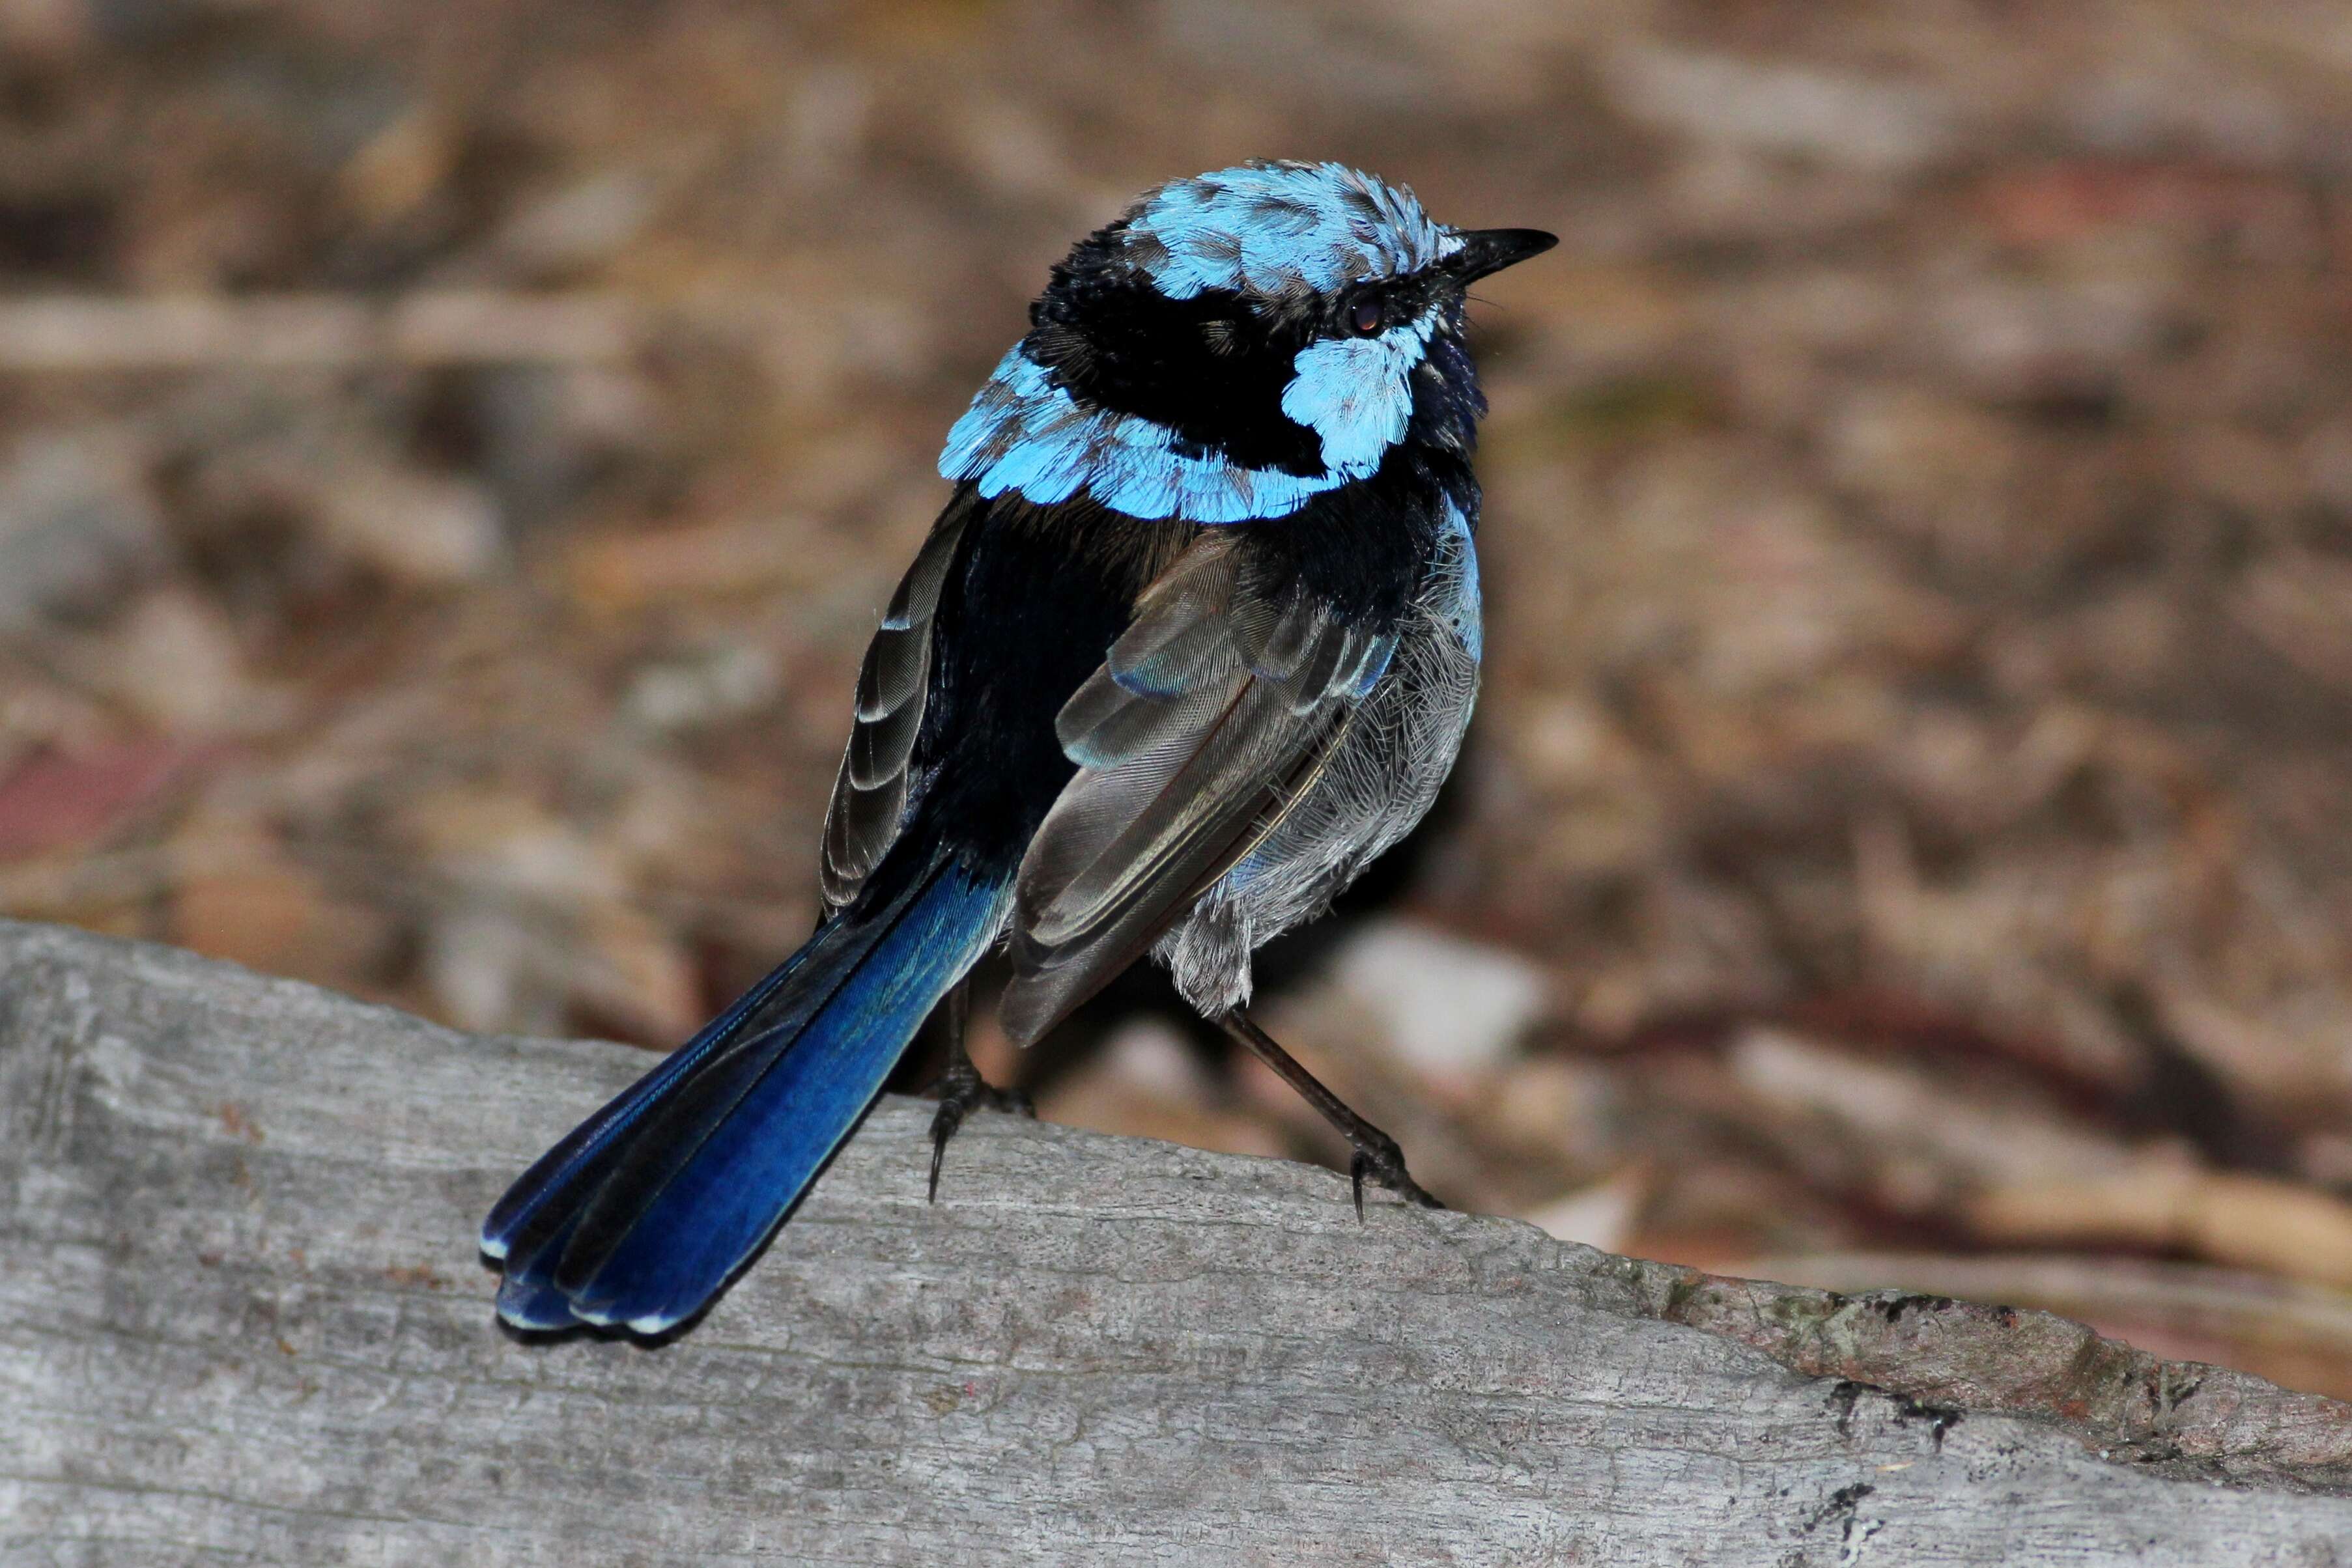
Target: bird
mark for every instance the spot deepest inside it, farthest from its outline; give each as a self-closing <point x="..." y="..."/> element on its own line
<point x="1196" y="636"/>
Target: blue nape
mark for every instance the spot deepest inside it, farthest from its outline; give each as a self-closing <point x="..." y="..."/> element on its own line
<point x="1024" y="432"/>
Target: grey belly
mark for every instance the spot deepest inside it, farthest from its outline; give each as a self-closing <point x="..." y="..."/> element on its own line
<point x="1380" y="782"/>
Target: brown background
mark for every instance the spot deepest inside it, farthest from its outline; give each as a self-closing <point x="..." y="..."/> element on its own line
<point x="451" y="457"/>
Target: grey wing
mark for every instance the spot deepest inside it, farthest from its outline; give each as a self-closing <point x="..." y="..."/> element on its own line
<point x="1208" y="720"/>
<point x="869" y="793"/>
<point x="1374" y="782"/>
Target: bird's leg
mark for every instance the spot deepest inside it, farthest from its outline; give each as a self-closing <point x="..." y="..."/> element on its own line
<point x="1377" y="1155"/>
<point x="961" y="1087"/>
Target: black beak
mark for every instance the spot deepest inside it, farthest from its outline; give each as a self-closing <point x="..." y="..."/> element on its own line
<point x="1487" y="251"/>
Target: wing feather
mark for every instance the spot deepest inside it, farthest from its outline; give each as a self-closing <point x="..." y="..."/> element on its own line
<point x="869" y="794"/>
<point x="1191" y="739"/>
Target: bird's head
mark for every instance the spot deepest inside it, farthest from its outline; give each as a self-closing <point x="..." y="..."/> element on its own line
<point x="1236" y="344"/>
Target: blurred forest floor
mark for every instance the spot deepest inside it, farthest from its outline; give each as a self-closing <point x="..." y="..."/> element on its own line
<point x="451" y="458"/>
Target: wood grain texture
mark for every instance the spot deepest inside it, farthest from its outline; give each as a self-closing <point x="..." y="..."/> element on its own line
<point x="241" y="1320"/>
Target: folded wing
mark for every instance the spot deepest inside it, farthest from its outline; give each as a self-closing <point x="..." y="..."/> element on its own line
<point x="869" y="794"/>
<point x="1208" y="718"/>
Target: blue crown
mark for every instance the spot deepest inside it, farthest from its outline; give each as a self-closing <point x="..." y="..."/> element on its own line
<point x="1281" y="228"/>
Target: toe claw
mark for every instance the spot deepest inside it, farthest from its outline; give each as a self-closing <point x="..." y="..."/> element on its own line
<point x="1384" y="1162"/>
<point x="945" y="1121"/>
<point x="961" y="1090"/>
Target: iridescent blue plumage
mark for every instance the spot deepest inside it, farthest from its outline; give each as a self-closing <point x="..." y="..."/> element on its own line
<point x="1025" y="434"/>
<point x="1282" y="228"/>
<point x="1356" y="394"/>
<point x="1280" y="237"/>
<point x="1194" y="639"/>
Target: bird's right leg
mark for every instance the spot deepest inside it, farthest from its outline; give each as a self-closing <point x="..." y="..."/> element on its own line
<point x="961" y="1087"/>
<point x="1377" y="1154"/>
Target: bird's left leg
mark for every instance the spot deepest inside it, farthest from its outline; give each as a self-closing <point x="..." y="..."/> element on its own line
<point x="1377" y="1154"/>
<point x="961" y="1087"/>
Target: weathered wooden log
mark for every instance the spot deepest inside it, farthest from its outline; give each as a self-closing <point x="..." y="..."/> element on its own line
<point x="241" y="1320"/>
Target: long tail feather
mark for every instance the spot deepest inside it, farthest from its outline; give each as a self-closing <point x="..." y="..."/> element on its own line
<point x="644" y="1210"/>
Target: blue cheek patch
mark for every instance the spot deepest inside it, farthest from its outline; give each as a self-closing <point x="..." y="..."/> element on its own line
<point x="1356" y="394"/>
<point x="1024" y="432"/>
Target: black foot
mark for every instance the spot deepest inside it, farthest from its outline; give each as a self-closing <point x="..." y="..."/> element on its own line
<point x="1378" y="1157"/>
<point x="961" y="1090"/>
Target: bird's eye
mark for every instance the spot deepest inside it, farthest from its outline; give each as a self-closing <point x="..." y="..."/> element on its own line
<point x="1366" y="317"/>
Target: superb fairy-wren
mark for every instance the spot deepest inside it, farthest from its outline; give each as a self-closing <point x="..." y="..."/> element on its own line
<point x="1194" y="639"/>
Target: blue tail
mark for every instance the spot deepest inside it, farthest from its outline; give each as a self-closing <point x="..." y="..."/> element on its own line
<point x="640" y="1216"/>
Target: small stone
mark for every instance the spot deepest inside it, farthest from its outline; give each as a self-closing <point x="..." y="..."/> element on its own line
<point x="1449" y="1006"/>
<point x="77" y="519"/>
<point x="477" y="962"/>
<point x="706" y="688"/>
<point x="423" y="530"/>
<point x="173" y="658"/>
<point x="399" y="169"/>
